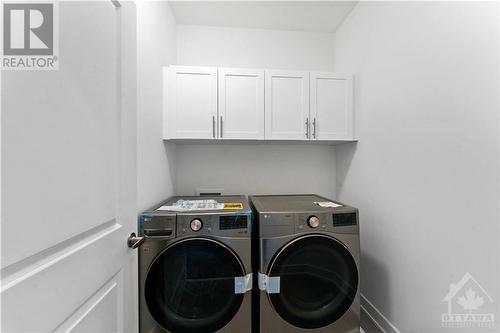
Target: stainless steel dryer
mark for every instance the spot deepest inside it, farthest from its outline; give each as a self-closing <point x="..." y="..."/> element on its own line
<point x="195" y="268"/>
<point x="309" y="264"/>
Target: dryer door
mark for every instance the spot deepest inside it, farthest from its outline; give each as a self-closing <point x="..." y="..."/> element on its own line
<point x="318" y="281"/>
<point x="190" y="286"/>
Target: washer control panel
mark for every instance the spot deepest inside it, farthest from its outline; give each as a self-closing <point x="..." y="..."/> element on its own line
<point x="196" y="224"/>
<point x="157" y="225"/>
<point x="231" y="222"/>
<point x="231" y="225"/>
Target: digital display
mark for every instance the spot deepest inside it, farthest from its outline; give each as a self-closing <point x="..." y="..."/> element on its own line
<point x="344" y="219"/>
<point x="229" y="222"/>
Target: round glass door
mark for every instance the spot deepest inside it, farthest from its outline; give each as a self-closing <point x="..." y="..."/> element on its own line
<point x="318" y="281"/>
<point x="190" y="286"/>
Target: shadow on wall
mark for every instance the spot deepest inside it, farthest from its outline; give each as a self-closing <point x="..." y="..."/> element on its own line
<point x="372" y="268"/>
<point x="344" y="155"/>
<point x="170" y="153"/>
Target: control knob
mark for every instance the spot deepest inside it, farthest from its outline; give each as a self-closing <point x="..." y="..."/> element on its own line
<point x="313" y="221"/>
<point x="196" y="225"/>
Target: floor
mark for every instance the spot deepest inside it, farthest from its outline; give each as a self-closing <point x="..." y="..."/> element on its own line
<point x="367" y="325"/>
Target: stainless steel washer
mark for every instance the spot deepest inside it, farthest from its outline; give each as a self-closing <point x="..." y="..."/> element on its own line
<point x="195" y="268"/>
<point x="308" y="265"/>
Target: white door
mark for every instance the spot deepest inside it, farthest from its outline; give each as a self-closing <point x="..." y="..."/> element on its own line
<point x="332" y="114"/>
<point x="287" y="105"/>
<point x="241" y="103"/>
<point x="192" y="102"/>
<point x="69" y="180"/>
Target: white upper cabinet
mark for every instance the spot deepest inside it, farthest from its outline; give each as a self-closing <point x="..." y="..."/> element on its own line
<point x="331" y="111"/>
<point x="241" y="103"/>
<point x="287" y="105"/>
<point x="252" y="104"/>
<point x="191" y="100"/>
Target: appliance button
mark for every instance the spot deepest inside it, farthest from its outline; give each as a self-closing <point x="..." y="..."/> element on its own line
<point x="313" y="221"/>
<point x="196" y="224"/>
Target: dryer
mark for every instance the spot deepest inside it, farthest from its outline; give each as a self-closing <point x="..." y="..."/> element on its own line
<point x="308" y="264"/>
<point x="195" y="267"/>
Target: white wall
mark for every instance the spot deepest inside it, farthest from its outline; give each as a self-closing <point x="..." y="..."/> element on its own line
<point x="259" y="168"/>
<point x="240" y="47"/>
<point x="156" y="46"/>
<point x="256" y="169"/>
<point x="425" y="171"/>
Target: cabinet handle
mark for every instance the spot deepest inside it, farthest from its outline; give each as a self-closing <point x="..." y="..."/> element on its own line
<point x="221" y="128"/>
<point x="213" y="126"/>
<point x="307" y="128"/>
<point x="314" y="128"/>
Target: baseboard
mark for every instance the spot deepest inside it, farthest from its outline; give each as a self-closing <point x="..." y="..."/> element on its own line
<point x="382" y="323"/>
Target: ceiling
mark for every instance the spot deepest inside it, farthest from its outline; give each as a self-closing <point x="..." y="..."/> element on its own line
<point x="319" y="16"/>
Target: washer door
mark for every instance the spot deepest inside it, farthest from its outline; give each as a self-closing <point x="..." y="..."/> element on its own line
<point x="190" y="286"/>
<point x="318" y="281"/>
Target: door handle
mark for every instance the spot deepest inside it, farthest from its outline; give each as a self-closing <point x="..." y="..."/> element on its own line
<point x="307" y="128"/>
<point x="221" y="128"/>
<point x="314" y="128"/>
<point x="213" y="127"/>
<point x="133" y="241"/>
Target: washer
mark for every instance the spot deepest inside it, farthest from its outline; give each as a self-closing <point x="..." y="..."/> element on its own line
<point x="308" y="264"/>
<point x="195" y="268"/>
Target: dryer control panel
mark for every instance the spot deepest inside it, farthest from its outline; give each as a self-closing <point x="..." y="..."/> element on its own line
<point x="295" y="214"/>
<point x="345" y="219"/>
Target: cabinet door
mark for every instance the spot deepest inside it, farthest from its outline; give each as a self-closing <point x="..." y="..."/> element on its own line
<point x="241" y="103"/>
<point x="191" y="102"/>
<point x="287" y="105"/>
<point x="332" y="113"/>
